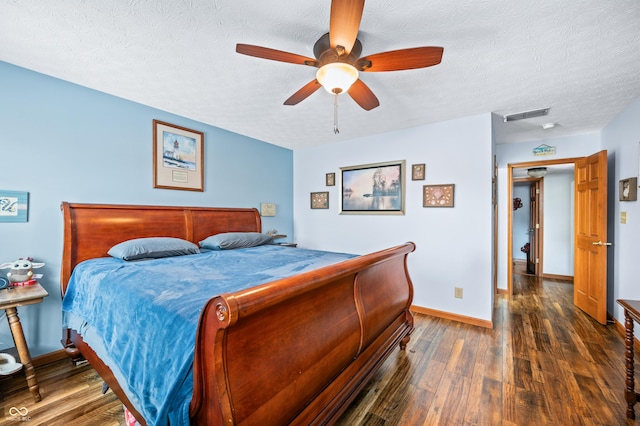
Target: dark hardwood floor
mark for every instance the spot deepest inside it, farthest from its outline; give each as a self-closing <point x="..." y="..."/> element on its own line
<point x="543" y="363"/>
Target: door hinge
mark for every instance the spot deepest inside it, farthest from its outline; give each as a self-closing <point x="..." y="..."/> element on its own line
<point x="537" y="191"/>
<point x="537" y="226"/>
<point x="537" y="260"/>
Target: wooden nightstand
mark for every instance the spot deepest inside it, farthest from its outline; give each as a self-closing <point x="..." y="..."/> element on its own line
<point x="631" y="314"/>
<point x="10" y="299"/>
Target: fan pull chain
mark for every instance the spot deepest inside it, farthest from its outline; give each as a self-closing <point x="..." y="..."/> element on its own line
<point x="335" y="114"/>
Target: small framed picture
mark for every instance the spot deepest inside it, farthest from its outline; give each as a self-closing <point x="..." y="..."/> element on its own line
<point x="437" y="195"/>
<point x="320" y="200"/>
<point x="418" y="171"/>
<point x="331" y="179"/>
<point x="178" y="157"/>
<point x="14" y="206"/>
<point x="629" y="189"/>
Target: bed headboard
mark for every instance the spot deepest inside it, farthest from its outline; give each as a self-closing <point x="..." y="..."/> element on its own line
<point x="90" y="230"/>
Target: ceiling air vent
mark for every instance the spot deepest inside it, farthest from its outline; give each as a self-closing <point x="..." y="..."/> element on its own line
<point x="526" y="114"/>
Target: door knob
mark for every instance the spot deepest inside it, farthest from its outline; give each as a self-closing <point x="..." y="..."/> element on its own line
<point x="600" y="243"/>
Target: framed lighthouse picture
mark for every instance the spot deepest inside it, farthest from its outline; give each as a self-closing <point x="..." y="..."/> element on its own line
<point x="178" y="157"/>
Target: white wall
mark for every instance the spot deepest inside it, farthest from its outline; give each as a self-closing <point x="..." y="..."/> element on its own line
<point x="558" y="224"/>
<point x="453" y="244"/>
<point x="621" y="138"/>
<point x="566" y="147"/>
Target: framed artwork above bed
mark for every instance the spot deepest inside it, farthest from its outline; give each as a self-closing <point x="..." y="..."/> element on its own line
<point x="178" y="157"/>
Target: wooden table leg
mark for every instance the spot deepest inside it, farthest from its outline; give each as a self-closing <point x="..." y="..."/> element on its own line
<point x="630" y="393"/>
<point x="23" y="352"/>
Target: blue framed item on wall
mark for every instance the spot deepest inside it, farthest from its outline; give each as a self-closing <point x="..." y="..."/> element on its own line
<point x="14" y="206"/>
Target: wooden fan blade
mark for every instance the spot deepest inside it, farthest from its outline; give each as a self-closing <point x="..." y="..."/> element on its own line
<point x="344" y="23"/>
<point x="302" y="94"/>
<point x="403" y="59"/>
<point x="274" y="55"/>
<point x="363" y="96"/>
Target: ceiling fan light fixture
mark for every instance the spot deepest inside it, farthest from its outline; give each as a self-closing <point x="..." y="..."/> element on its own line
<point x="337" y="77"/>
<point x="537" y="172"/>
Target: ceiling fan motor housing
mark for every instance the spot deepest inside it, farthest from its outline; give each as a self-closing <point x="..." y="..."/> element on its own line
<point x="326" y="55"/>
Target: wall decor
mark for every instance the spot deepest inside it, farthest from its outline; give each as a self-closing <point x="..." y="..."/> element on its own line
<point x="178" y="157"/>
<point x="331" y="179"/>
<point x="629" y="189"/>
<point x="438" y="195"/>
<point x="14" y="206"/>
<point x="373" y="188"/>
<point x="267" y="209"/>
<point x="517" y="203"/>
<point x="544" y="149"/>
<point x="319" y="200"/>
<point x="418" y="171"/>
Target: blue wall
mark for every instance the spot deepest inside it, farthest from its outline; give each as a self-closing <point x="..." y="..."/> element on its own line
<point x="64" y="142"/>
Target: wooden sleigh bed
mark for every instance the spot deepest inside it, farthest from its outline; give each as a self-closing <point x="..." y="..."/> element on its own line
<point x="311" y="367"/>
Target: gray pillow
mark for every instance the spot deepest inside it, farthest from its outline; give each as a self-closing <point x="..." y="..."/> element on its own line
<point x="233" y="240"/>
<point x="153" y="247"/>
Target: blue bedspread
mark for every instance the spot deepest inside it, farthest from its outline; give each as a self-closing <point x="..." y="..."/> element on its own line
<point x="141" y="317"/>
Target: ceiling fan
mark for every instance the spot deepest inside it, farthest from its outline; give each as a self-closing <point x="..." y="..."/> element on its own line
<point x="337" y="57"/>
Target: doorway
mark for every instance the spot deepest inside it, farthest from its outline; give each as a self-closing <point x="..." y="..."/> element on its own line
<point x="527" y="225"/>
<point x="590" y="228"/>
<point x="535" y="191"/>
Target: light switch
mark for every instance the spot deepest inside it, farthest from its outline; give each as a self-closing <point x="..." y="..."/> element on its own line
<point x="623" y="217"/>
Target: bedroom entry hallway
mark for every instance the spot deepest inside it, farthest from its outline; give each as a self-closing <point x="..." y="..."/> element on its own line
<point x="545" y="362"/>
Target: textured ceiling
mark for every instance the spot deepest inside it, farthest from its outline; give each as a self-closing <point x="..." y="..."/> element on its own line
<point x="581" y="58"/>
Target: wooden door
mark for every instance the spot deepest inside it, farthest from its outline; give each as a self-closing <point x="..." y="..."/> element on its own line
<point x="534" y="229"/>
<point x="590" y="270"/>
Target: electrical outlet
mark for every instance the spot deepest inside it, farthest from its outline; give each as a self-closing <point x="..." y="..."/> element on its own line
<point x="458" y="292"/>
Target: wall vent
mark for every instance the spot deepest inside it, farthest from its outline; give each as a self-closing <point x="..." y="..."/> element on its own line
<point x="526" y="114"/>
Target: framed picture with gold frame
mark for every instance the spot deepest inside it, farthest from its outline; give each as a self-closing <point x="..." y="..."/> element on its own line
<point x="178" y="157"/>
<point x="438" y="195"/>
<point x="320" y="200"/>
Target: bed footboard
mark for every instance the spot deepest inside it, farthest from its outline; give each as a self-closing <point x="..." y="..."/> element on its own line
<point x="298" y="350"/>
